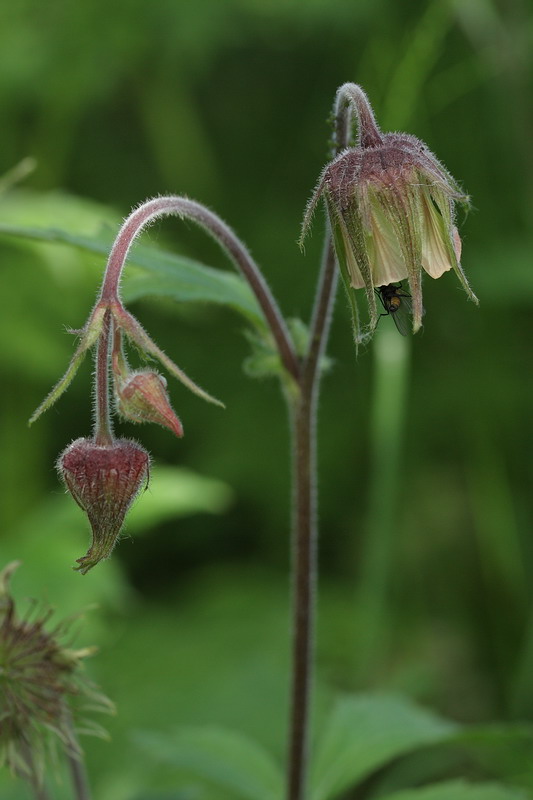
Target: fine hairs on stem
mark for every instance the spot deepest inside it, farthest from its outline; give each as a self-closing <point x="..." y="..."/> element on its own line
<point x="304" y="518"/>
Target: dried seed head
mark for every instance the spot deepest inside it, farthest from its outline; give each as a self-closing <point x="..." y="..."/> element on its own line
<point x="104" y="480"/>
<point x="39" y="681"/>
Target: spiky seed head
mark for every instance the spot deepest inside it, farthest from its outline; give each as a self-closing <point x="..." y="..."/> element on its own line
<point x="41" y="683"/>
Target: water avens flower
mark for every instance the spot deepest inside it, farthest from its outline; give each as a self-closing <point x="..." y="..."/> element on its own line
<point x="391" y="208"/>
<point x="42" y="684"/>
<point x="104" y="480"/>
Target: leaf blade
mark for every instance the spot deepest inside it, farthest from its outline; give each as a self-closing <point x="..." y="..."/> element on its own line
<point x="460" y="790"/>
<point x="363" y="733"/>
<point x="226" y="758"/>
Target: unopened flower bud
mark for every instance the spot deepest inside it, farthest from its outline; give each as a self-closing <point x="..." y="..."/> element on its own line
<point x="104" y="480"/>
<point x="142" y="397"/>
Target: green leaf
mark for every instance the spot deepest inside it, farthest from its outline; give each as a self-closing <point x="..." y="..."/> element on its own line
<point x="157" y="273"/>
<point x="459" y="790"/>
<point x="185" y="280"/>
<point x="364" y="733"/>
<point x="501" y="751"/>
<point x="226" y="758"/>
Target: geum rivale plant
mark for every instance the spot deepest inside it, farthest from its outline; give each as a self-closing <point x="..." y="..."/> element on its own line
<point x="390" y="218"/>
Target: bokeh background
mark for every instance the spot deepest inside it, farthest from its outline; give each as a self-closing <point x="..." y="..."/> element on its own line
<point x="425" y="501"/>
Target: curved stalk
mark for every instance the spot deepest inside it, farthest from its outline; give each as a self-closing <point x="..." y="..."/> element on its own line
<point x="184" y="208"/>
<point x="351" y="99"/>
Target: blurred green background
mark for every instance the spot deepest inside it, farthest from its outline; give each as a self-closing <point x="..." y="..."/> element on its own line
<point x="228" y="102"/>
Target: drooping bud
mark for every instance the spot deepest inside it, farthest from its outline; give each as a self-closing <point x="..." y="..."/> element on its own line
<point x="390" y="204"/>
<point x="142" y="397"/>
<point x="104" y="480"/>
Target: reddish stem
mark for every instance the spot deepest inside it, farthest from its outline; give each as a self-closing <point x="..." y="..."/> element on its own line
<point x="305" y="532"/>
<point x="351" y="98"/>
<point x="228" y="241"/>
<point x="103" y="432"/>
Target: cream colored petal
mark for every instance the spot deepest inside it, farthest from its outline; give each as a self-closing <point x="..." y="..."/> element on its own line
<point x="435" y="258"/>
<point x="356" y="279"/>
<point x="384" y="253"/>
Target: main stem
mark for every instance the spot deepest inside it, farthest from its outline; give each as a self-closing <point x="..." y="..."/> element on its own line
<point x="304" y="579"/>
<point x="305" y="531"/>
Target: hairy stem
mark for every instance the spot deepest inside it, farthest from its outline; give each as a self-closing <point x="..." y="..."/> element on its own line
<point x="351" y="96"/>
<point x="102" y="420"/>
<point x="184" y="208"/>
<point x="78" y="773"/>
<point x="305" y="531"/>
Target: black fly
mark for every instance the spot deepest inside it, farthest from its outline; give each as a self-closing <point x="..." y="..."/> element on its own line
<point x="398" y="304"/>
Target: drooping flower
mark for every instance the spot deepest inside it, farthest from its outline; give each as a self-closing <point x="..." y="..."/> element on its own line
<point x="104" y="480"/>
<point x="42" y="688"/>
<point x="391" y="207"/>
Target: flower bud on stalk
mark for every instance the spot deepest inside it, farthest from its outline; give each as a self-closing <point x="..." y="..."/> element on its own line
<point x="104" y="480"/>
<point x="142" y="397"/>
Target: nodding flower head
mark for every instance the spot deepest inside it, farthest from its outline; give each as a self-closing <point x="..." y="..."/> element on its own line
<point x="42" y="684"/>
<point x="104" y="480"/>
<point x="390" y="204"/>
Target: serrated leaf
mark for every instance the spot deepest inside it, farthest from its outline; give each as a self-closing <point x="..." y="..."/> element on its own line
<point x="364" y="733"/>
<point x="460" y="790"/>
<point x="226" y="758"/>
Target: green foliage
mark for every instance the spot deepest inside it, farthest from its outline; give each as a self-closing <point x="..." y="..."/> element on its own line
<point x="228" y="759"/>
<point x="459" y="790"/>
<point x="365" y="733"/>
<point x="362" y="736"/>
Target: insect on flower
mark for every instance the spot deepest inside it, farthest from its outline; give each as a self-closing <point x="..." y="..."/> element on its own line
<point x="398" y="304"/>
